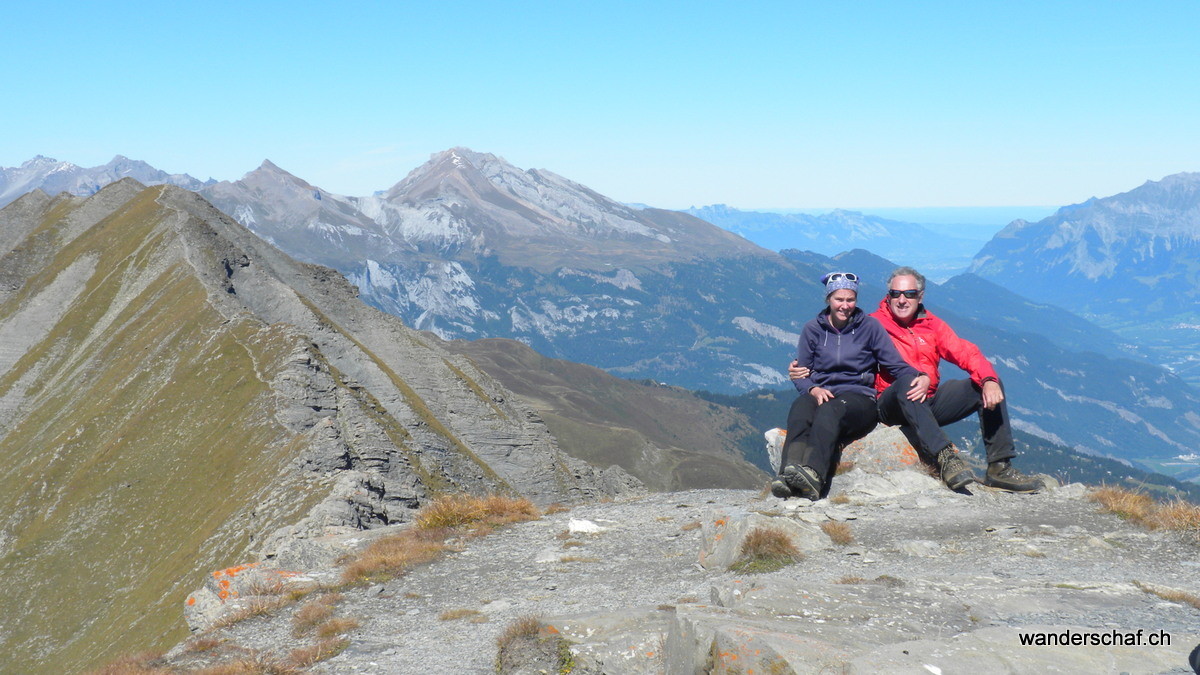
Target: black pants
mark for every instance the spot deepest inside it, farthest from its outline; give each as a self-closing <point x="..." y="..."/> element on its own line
<point x="954" y="400"/>
<point x="817" y="433"/>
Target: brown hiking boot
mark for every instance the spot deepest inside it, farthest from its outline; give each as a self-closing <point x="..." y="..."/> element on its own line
<point x="955" y="472"/>
<point x="1002" y="475"/>
<point x="780" y="489"/>
<point x="803" y="481"/>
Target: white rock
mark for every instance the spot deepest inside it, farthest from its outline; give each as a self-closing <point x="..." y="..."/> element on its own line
<point x="580" y="526"/>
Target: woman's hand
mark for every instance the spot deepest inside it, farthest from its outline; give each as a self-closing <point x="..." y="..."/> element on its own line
<point x="821" y="394"/>
<point x="919" y="388"/>
<point x="797" y="371"/>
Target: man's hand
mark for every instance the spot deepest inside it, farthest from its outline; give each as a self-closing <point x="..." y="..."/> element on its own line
<point x="797" y="371"/>
<point x="919" y="389"/>
<point x="992" y="394"/>
<point x="821" y="394"/>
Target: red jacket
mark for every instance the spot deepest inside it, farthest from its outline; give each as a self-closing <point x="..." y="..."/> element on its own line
<point x="926" y="343"/>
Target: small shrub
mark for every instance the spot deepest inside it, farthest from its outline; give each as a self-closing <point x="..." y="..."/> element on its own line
<point x="839" y="533"/>
<point x="556" y="508"/>
<point x="765" y="550"/>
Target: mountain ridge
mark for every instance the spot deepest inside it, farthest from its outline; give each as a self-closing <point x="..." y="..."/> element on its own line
<point x="154" y="349"/>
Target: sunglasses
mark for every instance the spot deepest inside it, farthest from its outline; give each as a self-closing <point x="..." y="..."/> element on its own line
<point x="834" y="276"/>
<point x="910" y="294"/>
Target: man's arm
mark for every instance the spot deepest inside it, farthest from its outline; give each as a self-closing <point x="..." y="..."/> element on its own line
<point x="967" y="356"/>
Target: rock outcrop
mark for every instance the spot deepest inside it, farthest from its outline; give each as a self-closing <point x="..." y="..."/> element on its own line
<point x="898" y="574"/>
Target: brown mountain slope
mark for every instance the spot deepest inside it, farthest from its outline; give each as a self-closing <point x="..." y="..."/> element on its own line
<point x="665" y="436"/>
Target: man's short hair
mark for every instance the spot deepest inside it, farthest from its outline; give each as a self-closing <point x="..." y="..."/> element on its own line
<point x="908" y="272"/>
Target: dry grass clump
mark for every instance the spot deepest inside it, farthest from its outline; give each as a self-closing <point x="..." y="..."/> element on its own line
<point x="199" y="645"/>
<point x="851" y="580"/>
<point x="532" y="646"/>
<point x="688" y="527"/>
<point x="254" y="606"/>
<point x="1124" y="503"/>
<point x="306" y="657"/>
<point x="390" y="557"/>
<point x="1175" y="516"/>
<point x="337" y="626"/>
<point x="456" y="614"/>
<point x="765" y="550"/>
<point x="840" y="499"/>
<point x="1170" y="594"/>
<point x="307" y="618"/>
<point x="844" y="466"/>
<point x="458" y="511"/>
<point x="838" y="532"/>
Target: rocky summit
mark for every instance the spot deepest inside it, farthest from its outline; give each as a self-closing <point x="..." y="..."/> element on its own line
<point x="895" y="573"/>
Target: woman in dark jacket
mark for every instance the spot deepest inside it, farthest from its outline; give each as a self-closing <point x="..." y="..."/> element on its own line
<point x="843" y="348"/>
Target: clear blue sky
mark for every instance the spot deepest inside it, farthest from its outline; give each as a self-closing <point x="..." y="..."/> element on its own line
<point x="756" y="105"/>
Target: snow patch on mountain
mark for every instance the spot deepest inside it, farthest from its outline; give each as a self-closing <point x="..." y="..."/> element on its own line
<point x="754" y="376"/>
<point x="764" y="330"/>
<point x="441" y="298"/>
<point x="622" y="278"/>
<point x="1124" y="413"/>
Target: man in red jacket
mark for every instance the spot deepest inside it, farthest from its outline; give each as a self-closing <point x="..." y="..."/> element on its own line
<point x="924" y="341"/>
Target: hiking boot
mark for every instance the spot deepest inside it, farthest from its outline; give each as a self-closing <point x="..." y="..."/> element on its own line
<point x="955" y="472"/>
<point x="803" y="480"/>
<point x="780" y="489"/>
<point x="1002" y="475"/>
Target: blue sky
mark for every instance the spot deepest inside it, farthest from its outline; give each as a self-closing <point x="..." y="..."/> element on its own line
<point x="756" y="105"/>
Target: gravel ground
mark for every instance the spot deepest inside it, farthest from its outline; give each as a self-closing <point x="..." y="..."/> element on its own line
<point x="645" y="556"/>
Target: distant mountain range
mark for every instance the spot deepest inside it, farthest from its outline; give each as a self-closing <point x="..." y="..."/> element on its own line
<point x="1127" y="262"/>
<point x="52" y="177"/>
<point x="938" y="254"/>
<point x="468" y="246"/>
